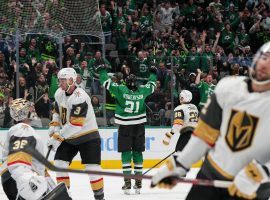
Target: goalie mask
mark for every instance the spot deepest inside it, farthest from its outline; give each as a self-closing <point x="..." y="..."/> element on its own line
<point x="185" y="96"/>
<point x="131" y="82"/>
<point x="19" y="109"/>
<point x="68" y="74"/>
<point x="263" y="53"/>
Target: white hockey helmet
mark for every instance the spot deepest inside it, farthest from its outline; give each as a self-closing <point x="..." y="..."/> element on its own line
<point x="185" y="96"/>
<point x="262" y="53"/>
<point x="19" y="109"/>
<point x="67" y="73"/>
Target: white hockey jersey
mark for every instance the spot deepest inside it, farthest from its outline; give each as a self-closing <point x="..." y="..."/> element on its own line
<point x="185" y="115"/>
<point x="76" y="116"/>
<point x="21" y="136"/>
<point x="235" y="122"/>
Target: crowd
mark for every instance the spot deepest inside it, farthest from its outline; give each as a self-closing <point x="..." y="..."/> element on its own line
<point x="193" y="44"/>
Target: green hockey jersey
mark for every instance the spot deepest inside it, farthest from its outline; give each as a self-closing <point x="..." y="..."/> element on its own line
<point x="130" y="106"/>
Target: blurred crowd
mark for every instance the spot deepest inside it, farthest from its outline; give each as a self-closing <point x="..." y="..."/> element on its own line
<point x="193" y="44"/>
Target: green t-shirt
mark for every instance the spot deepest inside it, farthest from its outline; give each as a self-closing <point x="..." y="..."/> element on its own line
<point x="206" y="60"/>
<point x="205" y="91"/>
<point x="130" y="105"/>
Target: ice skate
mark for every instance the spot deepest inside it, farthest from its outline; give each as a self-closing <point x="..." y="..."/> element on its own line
<point x="127" y="186"/>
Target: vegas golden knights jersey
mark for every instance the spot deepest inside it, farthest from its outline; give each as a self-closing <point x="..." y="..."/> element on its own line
<point x="186" y="115"/>
<point x="18" y="137"/>
<point x="76" y="116"/>
<point x="235" y="122"/>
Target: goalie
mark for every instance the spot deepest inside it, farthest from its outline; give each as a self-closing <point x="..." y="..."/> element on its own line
<point x="23" y="177"/>
<point x="233" y="133"/>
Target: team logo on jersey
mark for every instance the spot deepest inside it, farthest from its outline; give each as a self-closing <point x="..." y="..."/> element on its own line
<point x="241" y="130"/>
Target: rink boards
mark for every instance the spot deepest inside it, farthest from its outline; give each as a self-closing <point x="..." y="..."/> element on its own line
<point x="155" y="149"/>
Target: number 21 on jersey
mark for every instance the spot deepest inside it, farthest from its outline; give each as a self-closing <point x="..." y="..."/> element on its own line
<point x="132" y="107"/>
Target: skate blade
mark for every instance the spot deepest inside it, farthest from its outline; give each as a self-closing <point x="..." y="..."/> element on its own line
<point x="137" y="191"/>
<point x="127" y="192"/>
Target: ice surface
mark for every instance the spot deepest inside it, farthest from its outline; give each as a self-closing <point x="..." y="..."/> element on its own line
<point x="80" y="189"/>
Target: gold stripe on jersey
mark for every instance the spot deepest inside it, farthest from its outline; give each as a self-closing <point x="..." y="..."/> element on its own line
<point x="3" y="171"/>
<point x="77" y="121"/>
<point x="178" y="121"/>
<point x="54" y="124"/>
<point x="218" y="169"/>
<point x="19" y="158"/>
<point x="206" y="133"/>
<point x="82" y="134"/>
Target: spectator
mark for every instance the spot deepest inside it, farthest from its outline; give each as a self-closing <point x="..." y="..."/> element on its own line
<point x="206" y="87"/>
<point x="98" y="109"/>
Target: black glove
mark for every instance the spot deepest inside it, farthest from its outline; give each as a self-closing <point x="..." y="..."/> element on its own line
<point x="153" y="69"/>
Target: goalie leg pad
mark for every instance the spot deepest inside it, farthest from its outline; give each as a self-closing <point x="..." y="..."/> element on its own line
<point x="59" y="192"/>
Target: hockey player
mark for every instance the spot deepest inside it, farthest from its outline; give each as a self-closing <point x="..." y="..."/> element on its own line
<point x="233" y="128"/>
<point x="73" y="111"/>
<point x="130" y="114"/>
<point x="185" y="120"/>
<point x="23" y="177"/>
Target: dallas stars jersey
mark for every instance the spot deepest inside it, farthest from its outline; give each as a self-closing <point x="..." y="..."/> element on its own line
<point x="76" y="116"/>
<point x="130" y="108"/>
<point x="186" y="115"/>
<point x="18" y="137"/>
<point x="235" y="122"/>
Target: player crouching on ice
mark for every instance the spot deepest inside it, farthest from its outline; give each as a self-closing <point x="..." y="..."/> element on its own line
<point x="233" y="135"/>
<point x="23" y="177"/>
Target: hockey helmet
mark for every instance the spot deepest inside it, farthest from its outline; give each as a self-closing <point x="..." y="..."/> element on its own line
<point x="131" y="82"/>
<point x="262" y="53"/>
<point x="185" y="96"/>
<point x="19" y="109"/>
<point x="67" y="73"/>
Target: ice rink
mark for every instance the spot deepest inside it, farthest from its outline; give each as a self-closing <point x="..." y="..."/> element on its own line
<point x="80" y="189"/>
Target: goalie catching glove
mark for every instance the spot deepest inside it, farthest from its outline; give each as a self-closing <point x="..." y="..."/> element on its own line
<point x="55" y="140"/>
<point x="167" y="138"/>
<point x="168" y="174"/>
<point x="247" y="182"/>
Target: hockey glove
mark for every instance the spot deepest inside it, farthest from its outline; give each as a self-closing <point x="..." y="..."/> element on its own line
<point x="55" y="140"/>
<point x="248" y="180"/>
<point x="168" y="174"/>
<point x="54" y="128"/>
<point x="31" y="186"/>
<point x="167" y="138"/>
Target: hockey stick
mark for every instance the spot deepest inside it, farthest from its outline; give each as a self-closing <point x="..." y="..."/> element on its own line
<point x="43" y="160"/>
<point x="158" y="163"/>
<point x="48" y="152"/>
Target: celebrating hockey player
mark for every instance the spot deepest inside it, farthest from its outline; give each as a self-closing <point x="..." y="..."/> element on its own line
<point x="23" y="176"/>
<point x="185" y="120"/>
<point x="73" y="112"/>
<point x="130" y="114"/>
<point x="233" y="129"/>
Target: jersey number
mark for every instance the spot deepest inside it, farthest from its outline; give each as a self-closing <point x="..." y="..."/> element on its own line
<point x="193" y="117"/>
<point x="132" y="107"/>
<point x="19" y="144"/>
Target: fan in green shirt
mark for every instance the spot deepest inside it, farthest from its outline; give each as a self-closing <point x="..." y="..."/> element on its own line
<point x="206" y="87"/>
